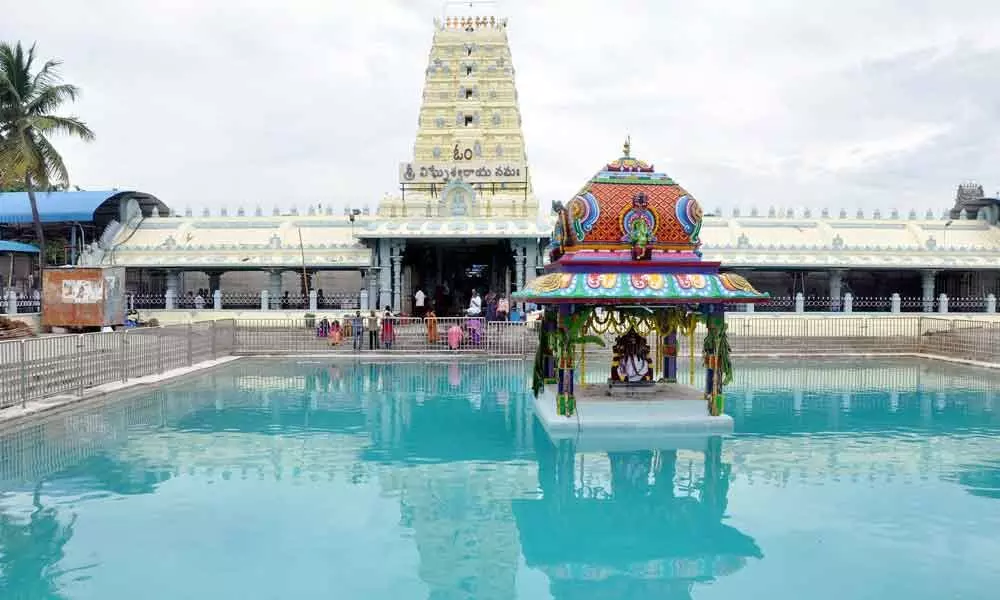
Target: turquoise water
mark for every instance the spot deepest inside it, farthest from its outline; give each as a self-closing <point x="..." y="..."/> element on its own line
<point x="310" y="480"/>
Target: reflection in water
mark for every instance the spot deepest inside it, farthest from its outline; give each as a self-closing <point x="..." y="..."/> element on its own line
<point x="476" y="490"/>
<point x="637" y="538"/>
<point x="31" y="549"/>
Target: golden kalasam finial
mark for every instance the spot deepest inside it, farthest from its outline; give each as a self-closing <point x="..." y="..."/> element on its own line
<point x="628" y="145"/>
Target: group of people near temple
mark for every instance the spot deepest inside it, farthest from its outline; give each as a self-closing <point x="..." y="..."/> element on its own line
<point x="379" y="330"/>
<point x="492" y="306"/>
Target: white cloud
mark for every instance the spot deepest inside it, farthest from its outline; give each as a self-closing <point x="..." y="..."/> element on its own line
<point x="766" y="102"/>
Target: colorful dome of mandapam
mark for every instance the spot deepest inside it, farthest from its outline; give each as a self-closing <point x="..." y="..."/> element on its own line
<point x="630" y="236"/>
<point x="627" y="204"/>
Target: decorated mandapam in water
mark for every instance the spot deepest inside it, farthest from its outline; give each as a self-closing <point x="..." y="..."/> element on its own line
<point x="632" y="235"/>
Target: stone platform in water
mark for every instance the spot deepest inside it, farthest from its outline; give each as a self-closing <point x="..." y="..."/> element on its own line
<point x="664" y="415"/>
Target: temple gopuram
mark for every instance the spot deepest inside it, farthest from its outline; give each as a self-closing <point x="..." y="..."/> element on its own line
<point x="625" y="261"/>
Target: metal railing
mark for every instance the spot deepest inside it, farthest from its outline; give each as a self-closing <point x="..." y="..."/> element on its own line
<point x="971" y="339"/>
<point x="36" y="368"/>
<point x="406" y="335"/>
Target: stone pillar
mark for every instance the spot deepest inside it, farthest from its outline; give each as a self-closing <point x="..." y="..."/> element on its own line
<point x="927" y="285"/>
<point x="274" y="288"/>
<point x="372" y="283"/>
<point x="991" y="303"/>
<point x="531" y="261"/>
<point x="173" y="283"/>
<point x="895" y="303"/>
<point x="848" y="302"/>
<point x="384" y="275"/>
<point x="217" y="299"/>
<point x="313" y="300"/>
<point x="670" y="357"/>
<point x="519" y="264"/>
<point x="11" y="302"/>
<point x="397" y="278"/>
<point x="943" y="304"/>
<point x="836" y="289"/>
<point x="800" y="302"/>
<point x="214" y="281"/>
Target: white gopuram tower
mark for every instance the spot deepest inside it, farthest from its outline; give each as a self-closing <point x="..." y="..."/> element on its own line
<point x="468" y="183"/>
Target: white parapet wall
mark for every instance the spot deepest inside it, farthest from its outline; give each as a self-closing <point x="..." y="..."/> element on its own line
<point x="279" y="317"/>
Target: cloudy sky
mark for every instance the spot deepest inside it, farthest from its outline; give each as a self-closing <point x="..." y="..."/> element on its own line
<point x="785" y="103"/>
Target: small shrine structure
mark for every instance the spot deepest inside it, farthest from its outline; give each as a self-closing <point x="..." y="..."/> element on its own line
<point x="625" y="259"/>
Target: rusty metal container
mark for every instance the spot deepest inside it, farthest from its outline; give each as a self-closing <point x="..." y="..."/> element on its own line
<point x="83" y="297"/>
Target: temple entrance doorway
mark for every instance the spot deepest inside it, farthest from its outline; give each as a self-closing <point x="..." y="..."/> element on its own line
<point x="449" y="270"/>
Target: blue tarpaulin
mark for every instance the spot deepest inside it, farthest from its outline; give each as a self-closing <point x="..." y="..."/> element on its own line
<point x="53" y="207"/>
<point x="6" y="247"/>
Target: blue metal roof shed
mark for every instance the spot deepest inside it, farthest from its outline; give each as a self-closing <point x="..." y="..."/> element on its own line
<point x="68" y="207"/>
<point x="7" y="247"/>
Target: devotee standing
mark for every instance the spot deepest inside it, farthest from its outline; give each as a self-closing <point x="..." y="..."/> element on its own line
<point x="372" y="331"/>
<point x="388" y="331"/>
<point x="475" y="305"/>
<point x="418" y="302"/>
<point x="357" y="327"/>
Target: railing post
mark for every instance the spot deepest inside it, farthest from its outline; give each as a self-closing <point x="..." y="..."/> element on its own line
<point x="265" y="303"/>
<point x="800" y="302"/>
<point x="11" y="302"/>
<point x="217" y="300"/>
<point x="170" y="299"/>
<point x="943" y="303"/>
<point x="123" y="355"/>
<point x="896" y="303"/>
<point x="848" y="302"/>
<point x="23" y="359"/>
<point x="313" y="300"/>
<point x="991" y="303"/>
<point x="749" y="308"/>
<point x="79" y="370"/>
<point x="190" y="343"/>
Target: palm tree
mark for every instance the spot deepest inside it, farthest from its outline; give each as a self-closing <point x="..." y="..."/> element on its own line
<point x="28" y="99"/>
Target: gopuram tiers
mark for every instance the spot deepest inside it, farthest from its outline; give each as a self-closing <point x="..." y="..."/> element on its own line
<point x="465" y="217"/>
<point x="469" y="147"/>
<point x="625" y="261"/>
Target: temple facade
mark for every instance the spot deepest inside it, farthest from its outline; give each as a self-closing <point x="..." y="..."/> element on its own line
<point x="465" y="216"/>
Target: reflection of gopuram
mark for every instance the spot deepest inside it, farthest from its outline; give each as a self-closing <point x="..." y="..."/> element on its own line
<point x="640" y="538"/>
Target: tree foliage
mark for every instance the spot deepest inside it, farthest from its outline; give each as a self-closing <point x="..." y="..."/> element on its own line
<point x="30" y="95"/>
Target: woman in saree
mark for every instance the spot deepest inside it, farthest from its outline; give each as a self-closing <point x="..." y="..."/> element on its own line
<point x="432" y="325"/>
<point x="335" y="333"/>
<point x="388" y="328"/>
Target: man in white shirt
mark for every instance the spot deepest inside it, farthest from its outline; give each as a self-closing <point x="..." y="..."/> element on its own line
<point x="418" y="302"/>
<point x="475" y="305"/>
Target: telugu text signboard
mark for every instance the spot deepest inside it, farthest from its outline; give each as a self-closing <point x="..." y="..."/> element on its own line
<point x="485" y="172"/>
